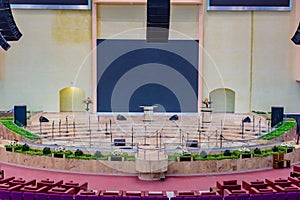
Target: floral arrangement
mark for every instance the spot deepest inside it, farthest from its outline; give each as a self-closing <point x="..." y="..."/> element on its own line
<point x="286" y="144"/>
<point x="14" y="143"/>
<point x="60" y="149"/>
<point x="117" y="152"/>
<point x="207" y="102"/>
<point x="244" y="149"/>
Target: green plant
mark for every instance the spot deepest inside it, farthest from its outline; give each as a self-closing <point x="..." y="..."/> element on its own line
<point x="275" y="149"/>
<point x="257" y="151"/>
<point x="227" y="152"/>
<point x="98" y="154"/>
<point x="46" y="150"/>
<point x="78" y="152"/>
<point x="25" y="147"/>
<point x="13" y="127"/>
<point x="203" y="154"/>
<point x="282" y="128"/>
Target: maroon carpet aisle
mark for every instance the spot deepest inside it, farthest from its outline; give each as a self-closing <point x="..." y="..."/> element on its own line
<point x="112" y="182"/>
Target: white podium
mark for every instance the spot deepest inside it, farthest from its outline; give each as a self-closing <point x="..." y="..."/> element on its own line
<point x="148" y="113"/>
<point x="206" y="115"/>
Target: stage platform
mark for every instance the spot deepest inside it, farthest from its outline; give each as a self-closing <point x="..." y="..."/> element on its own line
<point x="101" y="130"/>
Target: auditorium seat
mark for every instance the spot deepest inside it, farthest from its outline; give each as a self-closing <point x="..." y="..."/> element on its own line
<point x="189" y="197"/>
<point x="4" y="195"/>
<point x="80" y="197"/>
<point x="53" y="197"/>
<point x="93" y="197"/>
<point x="107" y="197"/>
<point x="16" y="195"/>
<point x="186" y="193"/>
<point x="148" y="198"/>
<point x="28" y="196"/>
<point x="155" y="193"/>
<point x="49" y="182"/>
<point x="133" y="193"/>
<point x="279" y="196"/>
<point x="292" y="195"/>
<point x="254" y="196"/>
<point x="268" y="196"/>
<point x="66" y="197"/>
<point x="77" y="186"/>
<point x="34" y="189"/>
<point x="111" y="192"/>
<point x="41" y="196"/>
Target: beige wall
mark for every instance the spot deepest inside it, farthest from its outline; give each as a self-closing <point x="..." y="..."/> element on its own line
<point x="247" y="52"/>
<point x="52" y="54"/>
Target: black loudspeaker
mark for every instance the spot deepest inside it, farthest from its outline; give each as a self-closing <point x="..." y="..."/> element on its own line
<point x="8" y="27"/>
<point x="119" y="142"/>
<point x="192" y="143"/>
<point x="3" y="43"/>
<point x="158" y="20"/>
<point x="43" y="119"/>
<point x="20" y="115"/>
<point x="296" y="37"/>
<point x="276" y="116"/>
<point x="247" y="120"/>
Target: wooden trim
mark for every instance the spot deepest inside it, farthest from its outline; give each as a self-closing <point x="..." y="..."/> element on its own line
<point x="94" y="56"/>
<point x="143" y="2"/>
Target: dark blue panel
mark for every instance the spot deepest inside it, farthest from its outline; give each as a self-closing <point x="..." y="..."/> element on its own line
<point x="154" y="94"/>
<point x="127" y="65"/>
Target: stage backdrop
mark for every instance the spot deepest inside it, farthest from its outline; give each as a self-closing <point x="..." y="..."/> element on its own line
<point x="134" y="73"/>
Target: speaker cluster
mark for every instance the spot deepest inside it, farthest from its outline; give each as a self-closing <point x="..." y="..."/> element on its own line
<point x="296" y="37"/>
<point x="8" y="28"/>
<point x="158" y="18"/>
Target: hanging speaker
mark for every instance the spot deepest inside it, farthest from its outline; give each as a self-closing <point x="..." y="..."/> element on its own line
<point x="3" y="43"/>
<point x="296" y="37"/>
<point x="158" y="19"/>
<point x="8" y="27"/>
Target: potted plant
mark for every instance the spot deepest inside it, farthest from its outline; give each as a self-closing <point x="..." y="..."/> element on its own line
<point x="116" y="155"/>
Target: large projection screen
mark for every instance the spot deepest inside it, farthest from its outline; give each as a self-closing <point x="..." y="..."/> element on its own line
<point x="275" y="5"/>
<point x="51" y="4"/>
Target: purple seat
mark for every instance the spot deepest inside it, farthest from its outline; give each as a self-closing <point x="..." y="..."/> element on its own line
<point x="267" y="196"/>
<point x="242" y="197"/>
<point x="134" y="198"/>
<point x="279" y="196"/>
<point x="148" y="198"/>
<point x="121" y="198"/>
<point x="255" y="197"/>
<point x="162" y="198"/>
<point x="229" y="198"/>
<point x="16" y="195"/>
<point x="93" y="197"/>
<point x="66" y="197"/>
<point x="81" y="197"/>
<point x="190" y="198"/>
<point x="53" y="197"/>
<point x="177" y="198"/>
<point x="4" y="195"/>
<point x="203" y="197"/>
<point x="106" y="197"/>
<point x="28" y="196"/>
<point x="292" y="195"/>
<point x="216" y="198"/>
<point x="41" y="196"/>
